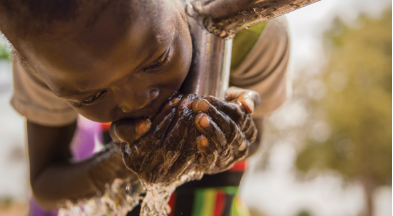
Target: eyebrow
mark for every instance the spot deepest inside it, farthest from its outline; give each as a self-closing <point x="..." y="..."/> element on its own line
<point x="167" y="43"/>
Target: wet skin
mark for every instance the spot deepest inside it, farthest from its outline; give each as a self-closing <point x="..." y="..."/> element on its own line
<point x="111" y="71"/>
<point x="122" y="66"/>
<point x="115" y="70"/>
<point x="190" y="133"/>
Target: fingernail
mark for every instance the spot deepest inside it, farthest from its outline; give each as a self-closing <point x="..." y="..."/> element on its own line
<point x="204" y="121"/>
<point x="202" y="105"/>
<point x="143" y="126"/>
<point x="250" y="104"/>
<point x="202" y="142"/>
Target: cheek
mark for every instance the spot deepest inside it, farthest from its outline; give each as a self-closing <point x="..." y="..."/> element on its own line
<point x="96" y="113"/>
<point x="181" y="62"/>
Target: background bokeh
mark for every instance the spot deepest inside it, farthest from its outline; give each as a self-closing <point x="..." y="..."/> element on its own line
<point x="326" y="151"/>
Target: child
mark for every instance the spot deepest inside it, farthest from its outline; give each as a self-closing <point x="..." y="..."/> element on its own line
<point x="108" y="60"/>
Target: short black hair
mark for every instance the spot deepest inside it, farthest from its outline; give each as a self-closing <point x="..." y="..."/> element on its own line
<point x="43" y="10"/>
<point x="39" y="15"/>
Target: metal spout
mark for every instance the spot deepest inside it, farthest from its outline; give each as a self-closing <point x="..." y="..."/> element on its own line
<point x="213" y="24"/>
<point x="211" y="60"/>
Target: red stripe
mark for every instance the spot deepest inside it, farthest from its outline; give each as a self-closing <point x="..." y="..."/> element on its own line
<point x="220" y="203"/>
<point x="171" y="203"/>
<point x="239" y="166"/>
<point x="105" y="126"/>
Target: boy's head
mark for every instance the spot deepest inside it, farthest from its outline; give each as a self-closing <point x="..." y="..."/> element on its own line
<point x="110" y="59"/>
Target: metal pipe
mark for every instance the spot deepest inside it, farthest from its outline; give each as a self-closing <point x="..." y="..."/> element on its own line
<point x="209" y="71"/>
<point x="213" y="24"/>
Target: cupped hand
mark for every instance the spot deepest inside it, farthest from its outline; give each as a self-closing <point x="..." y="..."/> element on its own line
<point x="162" y="148"/>
<point x="189" y="133"/>
<point x="227" y="128"/>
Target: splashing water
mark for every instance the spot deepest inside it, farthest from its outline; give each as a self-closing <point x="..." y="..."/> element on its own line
<point x="119" y="198"/>
<point x="156" y="201"/>
<point x="123" y="195"/>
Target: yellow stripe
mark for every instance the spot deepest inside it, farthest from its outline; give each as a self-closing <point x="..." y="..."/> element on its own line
<point x="209" y="202"/>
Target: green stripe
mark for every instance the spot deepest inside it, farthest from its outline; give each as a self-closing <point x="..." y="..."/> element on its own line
<point x="198" y="201"/>
<point x="205" y="199"/>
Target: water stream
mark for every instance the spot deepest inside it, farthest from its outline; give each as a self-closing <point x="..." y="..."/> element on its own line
<point x="156" y="200"/>
<point x="119" y="198"/>
<point x="123" y="195"/>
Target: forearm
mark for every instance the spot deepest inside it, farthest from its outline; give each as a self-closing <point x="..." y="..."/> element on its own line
<point x="59" y="182"/>
<point x="52" y="176"/>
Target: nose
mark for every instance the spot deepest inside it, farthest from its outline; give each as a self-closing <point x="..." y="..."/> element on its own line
<point x="134" y="100"/>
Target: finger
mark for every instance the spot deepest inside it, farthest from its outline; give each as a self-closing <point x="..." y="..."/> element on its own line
<point x="233" y="109"/>
<point x="209" y="129"/>
<point x="227" y="126"/>
<point x="141" y="155"/>
<point x="178" y="133"/>
<point x="209" y="156"/>
<point x="250" y="130"/>
<point x="182" y="139"/>
<point x="128" y="130"/>
<point x="136" y="153"/>
<point x="248" y="98"/>
<point x="162" y="120"/>
<point x="202" y="105"/>
<point x="187" y="157"/>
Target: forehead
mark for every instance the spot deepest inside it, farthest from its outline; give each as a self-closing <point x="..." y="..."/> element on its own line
<point x="76" y="60"/>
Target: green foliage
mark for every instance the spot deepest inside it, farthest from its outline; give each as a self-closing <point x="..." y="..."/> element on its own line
<point x="357" y="104"/>
<point x="4" y="54"/>
<point x="304" y="213"/>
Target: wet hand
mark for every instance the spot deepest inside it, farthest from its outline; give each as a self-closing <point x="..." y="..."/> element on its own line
<point x="227" y="128"/>
<point x="189" y="133"/>
<point x="106" y="166"/>
<point x="160" y="149"/>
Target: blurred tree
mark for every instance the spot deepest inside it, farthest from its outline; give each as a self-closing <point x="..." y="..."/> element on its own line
<point x="304" y="213"/>
<point x="355" y="138"/>
<point x="4" y="53"/>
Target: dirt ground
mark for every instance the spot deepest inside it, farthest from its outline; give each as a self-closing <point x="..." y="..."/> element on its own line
<point x="9" y="208"/>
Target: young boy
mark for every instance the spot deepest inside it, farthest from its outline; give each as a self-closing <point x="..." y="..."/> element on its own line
<point x="110" y="61"/>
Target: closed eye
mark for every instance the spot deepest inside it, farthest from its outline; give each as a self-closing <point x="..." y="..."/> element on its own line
<point x="91" y="99"/>
<point x="160" y="61"/>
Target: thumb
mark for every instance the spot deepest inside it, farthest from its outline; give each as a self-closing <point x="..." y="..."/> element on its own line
<point x="248" y="98"/>
<point x="128" y="130"/>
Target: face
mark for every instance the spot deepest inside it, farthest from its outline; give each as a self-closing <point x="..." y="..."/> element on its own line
<point x="115" y="69"/>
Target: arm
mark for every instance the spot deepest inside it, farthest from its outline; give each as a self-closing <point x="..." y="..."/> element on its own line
<point x="54" y="178"/>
